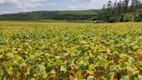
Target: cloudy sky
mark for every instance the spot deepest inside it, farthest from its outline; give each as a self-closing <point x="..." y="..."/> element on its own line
<point x="12" y="6"/>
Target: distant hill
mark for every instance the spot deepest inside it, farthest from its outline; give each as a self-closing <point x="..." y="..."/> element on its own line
<point x="51" y="15"/>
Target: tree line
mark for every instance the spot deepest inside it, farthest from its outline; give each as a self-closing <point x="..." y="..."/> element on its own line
<point x="121" y="11"/>
<point x="51" y="15"/>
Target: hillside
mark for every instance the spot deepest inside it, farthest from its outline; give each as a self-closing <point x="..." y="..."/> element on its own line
<point x="51" y="15"/>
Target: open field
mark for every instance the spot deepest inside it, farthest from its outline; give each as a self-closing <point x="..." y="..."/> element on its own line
<point x="69" y="51"/>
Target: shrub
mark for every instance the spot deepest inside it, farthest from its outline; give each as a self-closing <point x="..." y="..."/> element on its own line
<point x="129" y="17"/>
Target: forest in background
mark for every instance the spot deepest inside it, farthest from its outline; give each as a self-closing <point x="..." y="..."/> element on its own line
<point x="52" y="15"/>
<point x="121" y="11"/>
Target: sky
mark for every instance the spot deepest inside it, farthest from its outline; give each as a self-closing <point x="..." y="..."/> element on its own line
<point x="14" y="6"/>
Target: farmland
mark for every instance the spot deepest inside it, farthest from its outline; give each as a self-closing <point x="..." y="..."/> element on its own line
<point x="69" y="51"/>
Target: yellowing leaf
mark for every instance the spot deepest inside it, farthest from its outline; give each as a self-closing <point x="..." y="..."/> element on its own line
<point x="90" y="72"/>
<point x="91" y="54"/>
<point x="112" y="77"/>
<point x="35" y="75"/>
<point x="75" y="67"/>
<point x="108" y="51"/>
<point x="137" y="71"/>
<point x="139" y="56"/>
<point x="130" y="71"/>
<point x="140" y="53"/>
<point x="120" y="61"/>
<point x="28" y="71"/>
<point x="10" y="70"/>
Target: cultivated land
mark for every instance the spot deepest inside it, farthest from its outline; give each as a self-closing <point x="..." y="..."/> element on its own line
<point x="68" y="51"/>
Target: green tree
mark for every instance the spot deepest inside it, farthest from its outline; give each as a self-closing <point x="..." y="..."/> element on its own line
<point x="109" y="12"/>
<point x="115" y="8"/>
<point x="103" y="13"/>
<point x="120" y="7"/>
<point x="125" y="4"/>
<point x="135" y="4"/>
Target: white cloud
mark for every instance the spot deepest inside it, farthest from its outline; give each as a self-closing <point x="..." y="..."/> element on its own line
<point x="81" y="0"/>
<point x="51" y="4"/>
<point x="5" y="12"/>
<point x="76" y="7"/>
<point x="73" y="7"/>
<point x="23" y="4"/>
<point x="8" y="6"/>
<point x="88" y="4"/>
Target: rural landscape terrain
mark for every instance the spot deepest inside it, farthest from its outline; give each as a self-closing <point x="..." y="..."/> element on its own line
<point x="94" y="44"/>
